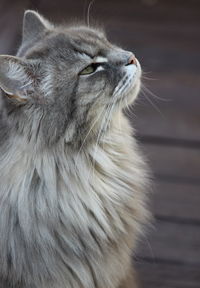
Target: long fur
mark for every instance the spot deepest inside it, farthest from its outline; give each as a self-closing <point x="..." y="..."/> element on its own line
<point x="70" y="215"/>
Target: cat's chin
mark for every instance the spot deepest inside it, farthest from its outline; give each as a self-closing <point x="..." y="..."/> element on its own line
<point x="130" y="96"/>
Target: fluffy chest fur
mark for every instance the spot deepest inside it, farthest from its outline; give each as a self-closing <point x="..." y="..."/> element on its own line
<point x="71" y="218"/>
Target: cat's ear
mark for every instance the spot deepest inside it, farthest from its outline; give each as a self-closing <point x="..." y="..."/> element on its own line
<point x="16" y="78"/>
<point x="33" y="25"/>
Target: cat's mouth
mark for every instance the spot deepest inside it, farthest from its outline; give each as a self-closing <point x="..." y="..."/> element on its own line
<point x="128" y="86"/>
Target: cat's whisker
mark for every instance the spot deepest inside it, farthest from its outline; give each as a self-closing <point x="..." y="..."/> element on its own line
<point x="106" y="123"/>
<point x="87" y="135"/>
<point x="149" y="78"/>
<point x="119" y="116"/>
<point x="91" y="171"/>
<point x="128" y="109"/>
<point x="26" y="85"/>
<point x="153" y="104"/>
<point x="91" y="128"/>
<point x="102" y="127"/>
<point x="146" y="72"/>
<point x="153" y="94"/>
<point x="88" y="12"/>
<point x="144" y="76"/>
<point x="149" y="247"/>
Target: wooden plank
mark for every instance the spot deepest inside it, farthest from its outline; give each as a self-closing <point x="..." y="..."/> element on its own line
<point x="130" y="10"/>
<point x="154" y="275"/>
<point x="175" y="161"/>
<point x="176" y="201"/>
<point x="171" y="242"/>
<point x="11" y="17"/>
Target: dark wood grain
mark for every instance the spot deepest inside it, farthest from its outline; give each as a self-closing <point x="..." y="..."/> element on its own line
<point x="172" y="242"/>
<point x="173" y="160"/>
<point x="166" y="275"/>
<point x="176" y="202"/>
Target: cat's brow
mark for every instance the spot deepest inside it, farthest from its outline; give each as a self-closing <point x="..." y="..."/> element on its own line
<point x="84" y="52"/>
<point x="97" y="58"/>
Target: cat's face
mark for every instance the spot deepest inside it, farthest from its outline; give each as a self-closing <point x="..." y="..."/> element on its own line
<point x="73" y="76"/>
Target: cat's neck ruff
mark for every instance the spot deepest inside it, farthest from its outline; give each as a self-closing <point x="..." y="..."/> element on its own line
<point x="103" y="170"/>
<point x="93" y="194"/>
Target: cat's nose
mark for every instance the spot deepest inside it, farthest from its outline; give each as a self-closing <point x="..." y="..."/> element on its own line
<point x="131" y="60"/>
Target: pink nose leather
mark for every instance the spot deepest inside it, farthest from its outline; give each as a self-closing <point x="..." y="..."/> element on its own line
<point x="132" y="60"/>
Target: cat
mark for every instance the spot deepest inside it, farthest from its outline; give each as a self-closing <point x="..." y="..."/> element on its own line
<point x="72" y="179"/>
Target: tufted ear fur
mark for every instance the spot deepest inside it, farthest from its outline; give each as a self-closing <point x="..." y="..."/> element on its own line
<point x="33" y="25"/>
<point x="16" y="78"/>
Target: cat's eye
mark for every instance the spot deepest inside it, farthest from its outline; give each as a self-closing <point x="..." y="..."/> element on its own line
<point x="90" y="69"/>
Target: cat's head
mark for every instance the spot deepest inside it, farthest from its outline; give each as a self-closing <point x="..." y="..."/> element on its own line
<point x="66" y="81"/>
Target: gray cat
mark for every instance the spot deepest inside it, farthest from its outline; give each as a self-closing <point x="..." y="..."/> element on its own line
<point x="72" y="181"/>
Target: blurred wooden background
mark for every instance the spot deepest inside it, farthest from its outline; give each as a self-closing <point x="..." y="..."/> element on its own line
<point x="165" y="36"/>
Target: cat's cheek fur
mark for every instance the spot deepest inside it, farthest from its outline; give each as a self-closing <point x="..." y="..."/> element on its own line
<point x="132" y="95"/>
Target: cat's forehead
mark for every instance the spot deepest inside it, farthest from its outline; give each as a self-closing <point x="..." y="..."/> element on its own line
<point x="88" y="35"/>
<point x="69" y="44"/>
<point x="81" y="39"/>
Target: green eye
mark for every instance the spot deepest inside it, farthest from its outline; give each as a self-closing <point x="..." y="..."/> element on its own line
<point x="88" y="70"/>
